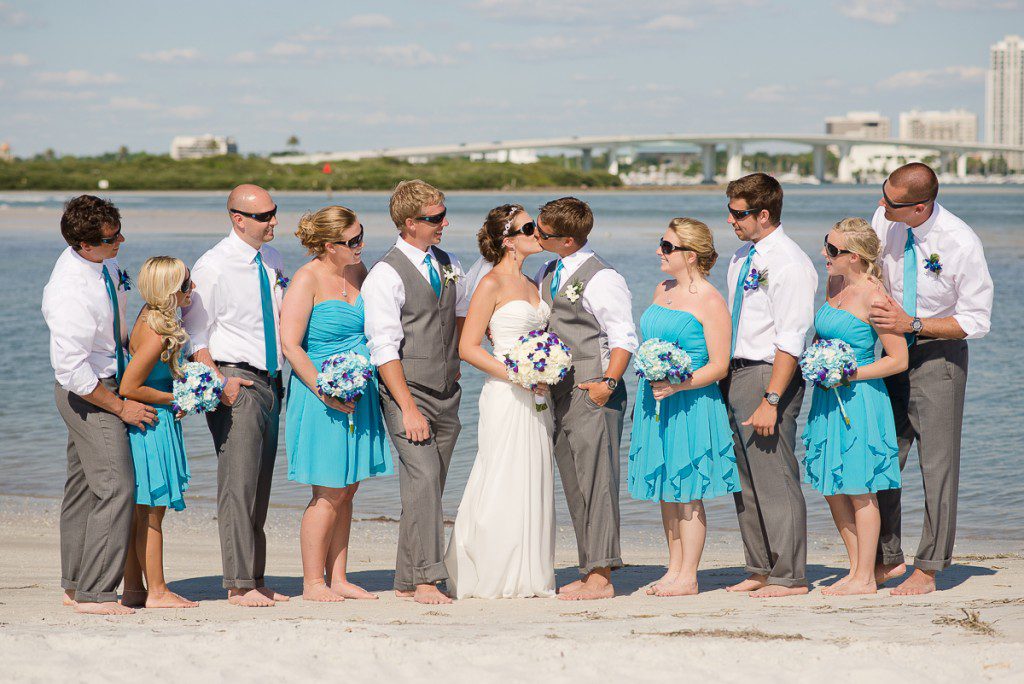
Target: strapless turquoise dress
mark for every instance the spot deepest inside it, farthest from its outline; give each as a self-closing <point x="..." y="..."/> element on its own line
<point x="161" y="466"/>
<point x="688" y="454"/>
<point x="321" y="451"/>
<point x="864" y="456"/>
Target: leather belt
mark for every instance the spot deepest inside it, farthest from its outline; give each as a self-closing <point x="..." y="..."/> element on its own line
<point x="242" y="365"/>
<point x="736" y="364"/>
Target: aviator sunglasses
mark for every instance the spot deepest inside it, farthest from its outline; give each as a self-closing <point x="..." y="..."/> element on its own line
<point x="354" y="242"/>
<point x="262" y="217"/>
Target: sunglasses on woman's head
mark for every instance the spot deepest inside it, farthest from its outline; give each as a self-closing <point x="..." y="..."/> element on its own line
<point x="667" y="248"/>
<point x="435" y="219"/>
<point x="261" y="217"/>
<point x="526" y="229"/>
<point x="354" y="242"/>
<point x="833" y="251"/>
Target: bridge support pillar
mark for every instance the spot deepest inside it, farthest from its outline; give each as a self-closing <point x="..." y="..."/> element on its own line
<point x="819" y="163"/>
<point x="945" y="162"/>
<point x="961" y="165"/>
<point x="845" y="171"/>
<point x="708" y="162"/>
<point x="734" y="169"/>
<point x="613" y="161"/>
<point x="587" y="159"/>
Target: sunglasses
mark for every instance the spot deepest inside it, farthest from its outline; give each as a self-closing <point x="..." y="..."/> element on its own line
<point x="112" y="239"/>
<point x="262" y="217"/>
<point x="526" y="229"/>
<point x="833" y="251"/>
<point x="186" y="285"/>
<point x="436" y="219"/>
<point x="667" y="248"/>
<point x="546" y="236"/>
<point x="354" y="242"/>
<point x="898" y="205"/>
<point x="740" y="214"/>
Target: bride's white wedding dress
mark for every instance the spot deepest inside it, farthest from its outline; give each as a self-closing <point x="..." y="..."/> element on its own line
<point x="503" y="543"/>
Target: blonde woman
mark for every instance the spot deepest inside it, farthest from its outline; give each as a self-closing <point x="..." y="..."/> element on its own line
<point x="687" y="456"/>
<point x="322" y="315"/>
<point x="157" y="346"/>
<point x="850" y="463"/>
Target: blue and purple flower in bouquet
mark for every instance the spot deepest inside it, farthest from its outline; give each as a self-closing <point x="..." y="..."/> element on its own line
<point x="829" y="364"/>
<point x="755" y="279"/>
<point x="932" y="264"/>
<point x="345" y="377"/>
<point x="198" y="389"/>
<point x="538" y="357"/>
<point x="657" y="359"/>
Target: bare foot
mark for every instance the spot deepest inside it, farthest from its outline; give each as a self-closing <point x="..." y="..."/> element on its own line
<point x="919" y="582"/>
<point x="68" y="598"/>
<point x="105" y="608"/>
<point x="401" y="593"/>
<point x="831" y="589"/>
<point x="351" y="591"/>
<point x="134" y="598"/>
<point x="320" y="592"/>
<point x="590" y="592"/>
<point x="571" y="587"/>
<point x="168" y="599"/>
<point x="667" y="578"/>
<point x="884" y="573"/>
<point x="752" y="583"/>
<point x="775" y="591"/>
<point x="854" y="587"/>
<point x="271" y="594"/>
<point x="678" y="587"/>
<point x="430" y="595"/>
<point x="249" y="598"/>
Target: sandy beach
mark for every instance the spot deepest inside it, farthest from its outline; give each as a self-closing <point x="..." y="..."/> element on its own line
<point x="971" y="630"/>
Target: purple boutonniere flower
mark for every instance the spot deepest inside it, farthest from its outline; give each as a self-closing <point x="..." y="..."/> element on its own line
<point x="755" y="279"/>
<point x="933" y="264"/>
<point x="124" y="280"/>
<point x="282" y="281"/>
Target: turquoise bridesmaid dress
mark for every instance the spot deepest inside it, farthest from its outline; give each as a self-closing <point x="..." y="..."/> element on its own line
<point x="688" y="455"/>
<point x="161" y="467"/>
<point x="863" y="457"/>
<point x="321" y="451"/>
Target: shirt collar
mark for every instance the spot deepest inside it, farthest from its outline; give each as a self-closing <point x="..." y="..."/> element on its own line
<point x="415" y="254"/>
<point x="96" y="268"/>
<point x="577" y="257"/>
<point x="243" y="247"/>
<point x="766" y="244"/>
<point x="922" y="230"/>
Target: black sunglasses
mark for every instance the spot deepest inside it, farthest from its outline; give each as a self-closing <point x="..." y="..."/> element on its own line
<point x="833" y="251"/>
<point x="898" y="205"/>
<point x="186" y="285"/>
<point x="262" y="217"/>
<point x="667" y="248"/>
<point x="112" y="239"/>
<point x="740" y="214"/>
<point x="435" y="219"/>
<point x="354" y="242"/>
<point x="546" y="236"/>
<point x="526" y="229"/>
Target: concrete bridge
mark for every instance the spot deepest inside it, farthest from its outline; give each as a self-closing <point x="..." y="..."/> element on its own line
<point x="708" y="145"/>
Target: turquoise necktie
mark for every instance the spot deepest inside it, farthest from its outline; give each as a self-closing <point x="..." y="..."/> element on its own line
<point x="118" y="346"/>
<point x="435" y="280"/>
<point x="910" y="281"/>
<point x="737" y="298"/>
<point x="556" y="280"/>
<point x="269" y="333"/>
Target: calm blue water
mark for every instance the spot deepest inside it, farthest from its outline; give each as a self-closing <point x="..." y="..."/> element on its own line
<point x="32" y="436"/>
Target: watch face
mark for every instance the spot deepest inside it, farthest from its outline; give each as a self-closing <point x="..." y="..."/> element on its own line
<point x="916" y="325"/>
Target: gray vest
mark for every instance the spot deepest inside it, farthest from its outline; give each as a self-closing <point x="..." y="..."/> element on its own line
<point x="429" y="350"/>
<point x="571" y="322"/>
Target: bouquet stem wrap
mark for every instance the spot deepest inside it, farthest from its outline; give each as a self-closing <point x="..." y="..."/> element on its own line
<point x="830" y="364"/>
<point x="657" y="360"/>
<point x="345" y="377"/>
<point x="538" y="357"/>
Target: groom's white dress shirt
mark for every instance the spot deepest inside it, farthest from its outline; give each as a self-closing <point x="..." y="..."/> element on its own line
<point x="384" y="296"/>
<point x="76" y="306"/>
<point x="226" y="314"/>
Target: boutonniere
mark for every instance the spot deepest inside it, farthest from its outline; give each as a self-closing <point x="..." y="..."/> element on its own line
<point x="933" y="264"/>
<point x="282" y="281"/>
<point x="124" y="280"/>
<point x="573" y="290"/>
<point x="755" y="279"/>
<point x="450" y="275"/>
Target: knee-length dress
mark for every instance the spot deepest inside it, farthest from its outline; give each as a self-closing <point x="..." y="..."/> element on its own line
<point x="161" y="465"/>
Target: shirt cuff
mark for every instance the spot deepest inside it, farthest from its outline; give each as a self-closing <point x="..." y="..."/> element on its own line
<point x="972" y="328"/>
<point x="385" y="354"/>
<point x="81" y="381"/>
<point x="791" y="344"/>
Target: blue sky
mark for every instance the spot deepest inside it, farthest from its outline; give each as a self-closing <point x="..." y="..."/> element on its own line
<point x="82" y="77"/>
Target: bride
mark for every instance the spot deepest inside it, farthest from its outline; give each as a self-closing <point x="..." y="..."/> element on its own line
<point x="503" y="544"/>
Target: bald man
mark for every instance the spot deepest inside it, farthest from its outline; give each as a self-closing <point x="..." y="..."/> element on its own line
<point x="940" y="290"/>
<point x="234" y="322"/>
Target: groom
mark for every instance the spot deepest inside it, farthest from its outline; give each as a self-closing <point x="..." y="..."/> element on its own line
<point x="415" y="305"/>
<point x="591" y="311"/>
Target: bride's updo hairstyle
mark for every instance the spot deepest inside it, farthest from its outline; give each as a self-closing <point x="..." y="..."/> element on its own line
<point x="317" y="228"/>
<point x="160" y="280"/>
<point x="696" y="237"/>
<point x="862" y="240"/>
<point x="497" y="226"/>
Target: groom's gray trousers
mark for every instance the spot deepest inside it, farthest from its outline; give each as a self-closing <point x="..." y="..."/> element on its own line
<point x="928" y="405"/>
<point x="423" y="468"/>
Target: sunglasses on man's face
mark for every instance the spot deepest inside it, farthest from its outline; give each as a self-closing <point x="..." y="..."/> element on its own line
<point x="897" y="205"/>
<point x="261" y="217"/>
<point x="740" y="214"/>
<point x="667" y="248"/>
<point x="547" y="236"/>
<point x="527" y="229"/>
<point x="354" y="242"/>
<point x="436" y="219"/>
<point x="112" y="239"/>
<point x="833" y="251"/>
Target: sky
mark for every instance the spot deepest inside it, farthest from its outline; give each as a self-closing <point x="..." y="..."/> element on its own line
<point x="86" y="78"/>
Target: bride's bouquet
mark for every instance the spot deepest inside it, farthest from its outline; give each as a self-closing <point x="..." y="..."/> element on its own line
<point x="657" y="360"/>
<point x="345" y="377"/>
<point x="538" y="357"/>
<point x="197" y="390"/>
<point x="829" y="364"/>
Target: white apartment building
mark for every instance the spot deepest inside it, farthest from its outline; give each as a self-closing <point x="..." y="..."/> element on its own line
<point x="870" y="125"/>
<point x="957" y="125"/>
<point x="1004" y="97"/>
<point x="200" y="146"/>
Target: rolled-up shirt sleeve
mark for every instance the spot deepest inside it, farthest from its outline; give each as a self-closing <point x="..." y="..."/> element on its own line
<point x="72" y="335"/>
<point x="198" y="316"/>
<point x="608" y="298"/>
<point x="383" y="297"/>
<point x="791" y="293"/>
<point x="974" y="292"/>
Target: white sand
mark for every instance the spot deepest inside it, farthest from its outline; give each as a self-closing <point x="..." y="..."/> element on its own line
<point x="715" y="636"/>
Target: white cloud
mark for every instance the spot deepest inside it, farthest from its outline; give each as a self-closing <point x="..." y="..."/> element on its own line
<point x="770" y="93"/>
<point x="189" y="112"/>
<point x="78" y="77"/>
<point x="369" y="21"/>
<point x="171" y="56"/>
<point x="670" y="22"/>
<point x="556" y="45"/>
<point x="244" y="57"/>
<point x="285" y="49"/>
<point x="933" y="77"/>
<point x="405" y="56"/>
<point x="46" y="95"/>
<point x="18" y="59"/>
<point x="130" y="104"/>
<point x="884" y="12"/>
<point x="11" y="17"/>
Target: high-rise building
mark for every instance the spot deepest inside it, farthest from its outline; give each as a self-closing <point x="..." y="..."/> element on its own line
<point x="198" y="147"/>
<point x="870" y="125"/>
<point x="1004" y="97"/>
<point x="957" y="125"/>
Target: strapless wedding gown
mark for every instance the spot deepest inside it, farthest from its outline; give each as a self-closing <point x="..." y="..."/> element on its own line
<point x="503" y="543"/>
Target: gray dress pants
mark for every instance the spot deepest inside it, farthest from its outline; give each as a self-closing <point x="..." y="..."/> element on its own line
<point x="99" y="498"/>
<point x="245" y="437"/>
<point x="771" y="508"/>
<point x="422" y="470"/>
<point x="928" y="405"/>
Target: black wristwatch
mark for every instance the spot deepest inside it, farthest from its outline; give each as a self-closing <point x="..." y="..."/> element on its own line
<point x="916" y="325"/>
<point x="772" y="398"/>
<point x="611" y="382"/>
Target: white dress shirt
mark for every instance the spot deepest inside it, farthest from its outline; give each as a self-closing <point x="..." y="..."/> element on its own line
<point x="607" y="298"/>
<point x="76" y="306"/>
<point x="778" y="314"/>
<point x="384" y="296"/>
<point x="962" y="289"/>
<point x="226" y="314"/>
<point x="475" y="274"/>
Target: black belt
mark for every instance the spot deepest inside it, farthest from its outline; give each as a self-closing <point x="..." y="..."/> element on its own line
<point x="242" y="365"/>
<point x="736" y="364"/>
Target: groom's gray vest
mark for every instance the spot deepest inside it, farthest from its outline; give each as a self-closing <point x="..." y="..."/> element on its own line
<point x="429" y="350"/>
<point x="571" y="322"/>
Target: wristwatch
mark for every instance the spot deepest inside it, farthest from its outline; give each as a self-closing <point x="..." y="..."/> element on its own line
<point x="611" y="382"/>
<point x="772" y="398"/>
<point x="916" y="325"/>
